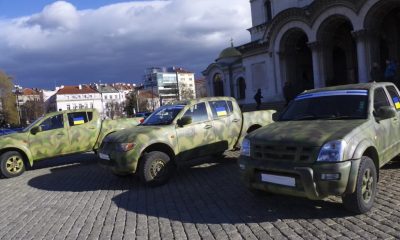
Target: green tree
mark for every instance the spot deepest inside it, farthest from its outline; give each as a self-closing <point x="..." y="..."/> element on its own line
<point x="8" y="109"/>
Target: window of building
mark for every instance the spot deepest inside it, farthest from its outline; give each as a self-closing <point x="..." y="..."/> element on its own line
<point x="105" y="97"/>
<point x="91" y="105"/>
<point x="268" y="10"/>
<point x="68" y="107"/>
<point x="52" y="123"/>
<point x="198" y="113"/>
<point x="241" y="83"/>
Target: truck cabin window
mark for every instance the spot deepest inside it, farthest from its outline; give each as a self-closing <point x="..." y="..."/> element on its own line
<point x="328" y="105"/>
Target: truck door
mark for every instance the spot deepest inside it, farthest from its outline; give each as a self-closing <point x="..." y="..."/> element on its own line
<point x="394" y="96"/>
<point x="385" y="129"/>
<point x="83" y="131"/>
<point x="52" y="140"/>
<point x="196" y="139"/>
<point x="227" y="123"/>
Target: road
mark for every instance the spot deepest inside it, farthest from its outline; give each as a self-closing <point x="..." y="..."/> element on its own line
<point x="75" y="198"/>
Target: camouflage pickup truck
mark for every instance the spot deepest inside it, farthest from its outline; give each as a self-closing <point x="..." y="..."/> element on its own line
<point x="55" y="134"/>
<point x="177" y="133"/>
<point x="329" y="141"/>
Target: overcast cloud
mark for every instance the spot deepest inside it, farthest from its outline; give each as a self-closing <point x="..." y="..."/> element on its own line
<point x="116" y="43"/>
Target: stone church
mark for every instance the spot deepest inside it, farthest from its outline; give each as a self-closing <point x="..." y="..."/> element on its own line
<point x="308" y="43"/>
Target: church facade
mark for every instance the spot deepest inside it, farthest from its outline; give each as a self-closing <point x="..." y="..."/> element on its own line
<point x="308" y="43"/>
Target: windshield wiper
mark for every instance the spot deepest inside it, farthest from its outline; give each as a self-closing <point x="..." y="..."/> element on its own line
<point x="306" y="117"/>
<point x="344" y="117"/>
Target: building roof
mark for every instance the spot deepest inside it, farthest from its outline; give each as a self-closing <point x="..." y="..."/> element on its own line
<point x="105" y="88"/>
<point x="147" y="94"/>
<point x="230" y="52"/>
<point x="81" y="89"/>
<point x="181" y="70"/>
<point x="123" y="86"/>
<point x="30" y="91"/>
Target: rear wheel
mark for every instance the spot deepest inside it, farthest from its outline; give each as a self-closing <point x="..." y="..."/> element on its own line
<point x="11" y="164"/>
<point x="156" y="168"/>
<point x="362" y="199"/>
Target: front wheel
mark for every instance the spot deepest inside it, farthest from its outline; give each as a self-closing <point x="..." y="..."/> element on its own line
<point x="11" y="164"/>
<point x="362" y="199"/>
<point x="156" y="168"/>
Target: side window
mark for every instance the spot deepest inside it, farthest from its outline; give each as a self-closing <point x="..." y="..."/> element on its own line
<point x="198" y="113"/>
<point x="219" y="109"/>
<point x="230" y="106"/>
<point x="79" y="118"/>
<point x="54" y="122"/>
<point x="380" y="98"/>
<point x="394" y="95"/>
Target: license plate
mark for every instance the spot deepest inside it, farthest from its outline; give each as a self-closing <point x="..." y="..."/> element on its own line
<point x="104" y="156"/>
<point x="282" y="180"/>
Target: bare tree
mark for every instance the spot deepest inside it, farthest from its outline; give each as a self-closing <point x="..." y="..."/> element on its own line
<point x="185" y="92"/>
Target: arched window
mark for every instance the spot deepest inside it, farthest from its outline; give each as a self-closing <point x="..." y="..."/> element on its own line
<point x="218" y="85"/>
<point x="268" y="10"/>
<point x="241" y="84"/>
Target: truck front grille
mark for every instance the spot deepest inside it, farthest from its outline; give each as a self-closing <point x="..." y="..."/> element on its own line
<point x="283" y="153"/>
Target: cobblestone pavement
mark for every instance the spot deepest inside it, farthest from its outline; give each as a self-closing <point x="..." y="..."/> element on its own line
<point x="74" y="198"/>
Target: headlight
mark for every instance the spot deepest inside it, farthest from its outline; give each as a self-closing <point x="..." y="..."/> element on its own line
<point x="124" y="147"/>
<point x="332" y="151"/>
<point x="245" y="150"/>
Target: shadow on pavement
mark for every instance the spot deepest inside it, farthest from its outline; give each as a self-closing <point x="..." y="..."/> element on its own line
<point x="208" y="193"/>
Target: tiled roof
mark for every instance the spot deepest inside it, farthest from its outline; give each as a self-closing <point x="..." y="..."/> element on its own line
<point x="76" y="90"/>
<point x="30" y="91"/>
<point x="147" y="94"/>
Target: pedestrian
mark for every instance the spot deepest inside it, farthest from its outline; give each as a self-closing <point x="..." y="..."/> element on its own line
<point x="288" y="92"/>
<point x="376" y="73"/>
<point x="390" y="71"/>
<point x="257" y="98"/>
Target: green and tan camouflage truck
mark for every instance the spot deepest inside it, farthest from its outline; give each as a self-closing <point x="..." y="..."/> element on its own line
<point x="177" y="133"/>
<point x="56" y="134"/>
<point x="328" y="141"/>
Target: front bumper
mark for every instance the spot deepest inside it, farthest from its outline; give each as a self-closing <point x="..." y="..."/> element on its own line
<point x="119" y="162"/>
<point x="308" y="178"/>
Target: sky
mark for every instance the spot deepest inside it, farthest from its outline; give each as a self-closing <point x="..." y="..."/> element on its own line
<point x="51" y="43"/>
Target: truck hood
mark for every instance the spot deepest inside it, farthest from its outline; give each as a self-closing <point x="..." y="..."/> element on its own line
<point x="13" y="138"/>
<point x="138" y="132"/>
<point x="307" y="133"/>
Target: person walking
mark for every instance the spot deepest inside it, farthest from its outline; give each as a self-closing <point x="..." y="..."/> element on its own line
<point x="257" y="98"/>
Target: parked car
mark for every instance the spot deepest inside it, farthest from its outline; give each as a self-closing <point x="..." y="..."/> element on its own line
<point x="328" y="141"/>
<point x="176" y="133"/>
<point x="5" y="131"/>
<point x="55" y="134"/>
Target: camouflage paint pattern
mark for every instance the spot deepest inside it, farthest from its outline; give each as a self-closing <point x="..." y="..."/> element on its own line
<point x="211" y="136"/>
<point x="296" y="145"/>
<point x="61" y="141"/>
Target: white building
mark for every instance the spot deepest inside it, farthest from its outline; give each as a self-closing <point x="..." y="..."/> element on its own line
<point x="124" y="88"/>
<point x="309" y="44"/>
<point x="113" y="101"/>
<point x="78" y="97"/>
<point x="187" y="87"/>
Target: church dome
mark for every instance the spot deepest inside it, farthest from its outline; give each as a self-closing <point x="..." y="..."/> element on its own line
<point x="230" y="52"/>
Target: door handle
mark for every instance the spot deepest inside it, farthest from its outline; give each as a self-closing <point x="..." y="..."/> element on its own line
<point x="207" y="127"/>
<point x="235" y="120"/>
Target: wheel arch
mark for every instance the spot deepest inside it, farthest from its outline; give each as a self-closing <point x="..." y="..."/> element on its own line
<point x="253" y="127"/>
<point x="161" y="147"/>
<point x="26" y="157"/>
<point x="373" y="154"/>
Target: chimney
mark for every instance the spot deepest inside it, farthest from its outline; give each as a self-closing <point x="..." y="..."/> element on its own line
<point x="80" y="87"/>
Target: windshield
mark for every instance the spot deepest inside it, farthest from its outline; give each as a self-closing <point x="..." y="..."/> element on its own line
<point x="32" y="124"/>
<point x="331" y="105"/>
<point x="164" y="115"/>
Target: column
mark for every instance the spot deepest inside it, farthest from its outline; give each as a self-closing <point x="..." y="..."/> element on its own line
<point x="360" y="37"/>
<point x="316" y="59"/>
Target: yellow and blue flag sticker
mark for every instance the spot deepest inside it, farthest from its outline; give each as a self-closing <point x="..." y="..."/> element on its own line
<point x="78" y="120"/>
<point x="333" y="93"/>
<point x="221" y="111"/>
<point x="396" y="102"/>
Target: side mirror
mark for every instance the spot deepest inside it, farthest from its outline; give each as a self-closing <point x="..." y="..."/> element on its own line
<point x="386" y="112"/>
<point x="35" y="130"/>
<point x="184" y="121"/>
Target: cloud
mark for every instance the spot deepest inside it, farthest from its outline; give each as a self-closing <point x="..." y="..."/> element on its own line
<point x="118" y="42"/>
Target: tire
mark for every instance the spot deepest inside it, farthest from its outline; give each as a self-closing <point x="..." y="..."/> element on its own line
<point x="11" y="164"/>
<point x="156" y="168"/>
<point x="362" y="199"/>
<point x="219" y="155"/>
